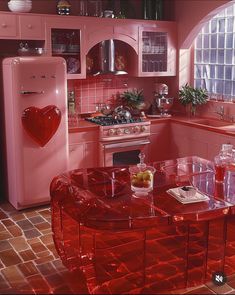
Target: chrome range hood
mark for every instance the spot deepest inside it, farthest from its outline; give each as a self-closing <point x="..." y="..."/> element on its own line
<point x="107" y="59"/>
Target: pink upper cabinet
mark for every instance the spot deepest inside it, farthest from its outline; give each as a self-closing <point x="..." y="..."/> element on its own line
<point x="66" y="39"/>
<point x="23" y="26"/>
<point x="157" y="49"/>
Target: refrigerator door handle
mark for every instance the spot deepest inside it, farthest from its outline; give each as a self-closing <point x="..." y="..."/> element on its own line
<point x="31" y="92"/>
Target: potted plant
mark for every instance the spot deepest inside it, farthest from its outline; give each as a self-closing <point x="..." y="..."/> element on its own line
<point x="192" y="97"/>
<point x="133" y="99"/>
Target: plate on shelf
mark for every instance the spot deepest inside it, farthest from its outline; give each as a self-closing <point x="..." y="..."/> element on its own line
<point x="73" y="65"/>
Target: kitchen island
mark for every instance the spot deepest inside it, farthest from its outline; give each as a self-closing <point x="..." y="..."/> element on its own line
<point x="128" y="243"/>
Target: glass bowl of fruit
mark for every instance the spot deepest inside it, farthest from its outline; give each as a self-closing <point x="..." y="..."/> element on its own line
<point x="141" y="176"/>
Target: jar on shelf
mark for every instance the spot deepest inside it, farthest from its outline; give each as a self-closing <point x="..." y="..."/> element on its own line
<point x="63" y="7"/>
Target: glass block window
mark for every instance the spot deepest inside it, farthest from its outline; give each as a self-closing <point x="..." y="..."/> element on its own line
<point x="214" y="58"/>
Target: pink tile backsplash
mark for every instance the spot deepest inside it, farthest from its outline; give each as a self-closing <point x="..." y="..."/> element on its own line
<point x="93" y="90"/>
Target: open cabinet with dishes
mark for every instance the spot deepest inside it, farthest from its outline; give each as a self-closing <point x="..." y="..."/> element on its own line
<point x="66" y="43"/>
<point x="157" y="50"/>
<point x="65" y="40"/>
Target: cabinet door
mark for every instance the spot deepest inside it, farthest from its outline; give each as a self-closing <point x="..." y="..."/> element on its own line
<point x="31" y="27"/>
<point x="76" y="156"/>
<point x="91" y="155"/>
<point x="157" y="50"/>
<point x="8" y="26"/>
<point x="66" y="40"/>
<point x="159" y="148"/>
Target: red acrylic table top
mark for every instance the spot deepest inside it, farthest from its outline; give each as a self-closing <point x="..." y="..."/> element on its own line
<point x="101" y="198"/>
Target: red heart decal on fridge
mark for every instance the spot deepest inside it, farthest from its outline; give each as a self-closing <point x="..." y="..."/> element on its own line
<point x="41" y="124"/>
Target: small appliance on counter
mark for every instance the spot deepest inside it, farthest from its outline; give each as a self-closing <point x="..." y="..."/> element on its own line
<point x="162" y="102"/>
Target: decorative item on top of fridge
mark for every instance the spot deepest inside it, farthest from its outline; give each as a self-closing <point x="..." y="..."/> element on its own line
<point x="63" y="7"/>
<point x="20" y="6"/>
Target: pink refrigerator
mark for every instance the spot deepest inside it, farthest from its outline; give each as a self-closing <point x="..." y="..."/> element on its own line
<point x="36" y="130"/>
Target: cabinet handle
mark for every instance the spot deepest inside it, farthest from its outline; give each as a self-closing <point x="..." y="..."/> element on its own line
<point x="4" y="25"/>
<point x="30" y="26"/>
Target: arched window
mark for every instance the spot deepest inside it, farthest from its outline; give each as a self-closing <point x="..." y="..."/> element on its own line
<point x="214" y="58"/>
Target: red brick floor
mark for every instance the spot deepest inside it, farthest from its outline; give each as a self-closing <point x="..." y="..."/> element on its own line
<point x="29" y="263"/>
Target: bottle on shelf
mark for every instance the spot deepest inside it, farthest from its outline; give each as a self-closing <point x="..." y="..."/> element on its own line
<point x="71" y="102"/>
<point x="223" y="161"/>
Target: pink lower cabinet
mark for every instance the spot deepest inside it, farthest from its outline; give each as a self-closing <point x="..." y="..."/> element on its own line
<point x="159" y="148"/>
<point x="83" y="150"/>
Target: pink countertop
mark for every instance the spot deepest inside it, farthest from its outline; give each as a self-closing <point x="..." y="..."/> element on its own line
<point x="83" y="125"/>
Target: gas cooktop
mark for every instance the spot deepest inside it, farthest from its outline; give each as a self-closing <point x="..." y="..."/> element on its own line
<point x="107" y="120"/>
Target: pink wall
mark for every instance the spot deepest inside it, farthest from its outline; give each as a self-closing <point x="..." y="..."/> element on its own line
<point x="191" y="14"/>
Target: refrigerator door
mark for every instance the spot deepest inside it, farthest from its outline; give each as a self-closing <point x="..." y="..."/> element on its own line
<point x="35" y="100"/>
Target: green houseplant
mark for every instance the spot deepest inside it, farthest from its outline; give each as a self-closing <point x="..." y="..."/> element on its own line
<point x="133" y="99"/>
<point x="192" y="97"/>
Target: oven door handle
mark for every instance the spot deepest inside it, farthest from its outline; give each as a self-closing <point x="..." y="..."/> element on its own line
<point x="126" y="144"/>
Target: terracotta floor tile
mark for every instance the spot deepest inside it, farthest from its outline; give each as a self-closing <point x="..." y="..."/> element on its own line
<point x="36" y="219"/>
<point x="3" y="283"/>
<point x="30" y="214"/>
<point x="43" y="226"/>
<point x="7" y="207"/>
<point x="45" y="213"/>
<point x="39" y="284"/>
<point x="58" y="265"/>
<point x="14" y="276"/>
<point x="202" y="290"/>
<point x="5" y="245"/>
<point x="44" y="259"/>
<point x="25" y="224"/>
<point x="2" y="227"/>
<point x="33" y="241"/>
<point x="46" y="268"/>
<point x="27" y="269"/>
<point x="19" y="243"/>
<point x="43" y="254"/>
<point x="38" y="247"/>
<point x="9" y="257"/>
<point x="219" y="289"/>
<point x="17" y="216"/>
<point x="15" y="231"/>
<point x="55" y="280"/>
<point x="2" y="215"/>
<point x="47" y="239"/>
<point x="8" y="222"/>
<point x="27" y="255"/>
<point x="5" y="235"/>
<point x="32" y="233"/>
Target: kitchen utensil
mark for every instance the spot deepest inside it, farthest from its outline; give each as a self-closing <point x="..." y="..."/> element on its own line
<point x="106" y="109"/>
<point x="121" y="113"/>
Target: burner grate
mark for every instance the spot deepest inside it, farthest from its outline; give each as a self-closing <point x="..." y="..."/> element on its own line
<point x="108" y="121"/>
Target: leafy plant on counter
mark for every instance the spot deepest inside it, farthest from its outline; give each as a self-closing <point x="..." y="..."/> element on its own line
<point x="189" y="95"/>
<point x="134" y="98"/>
